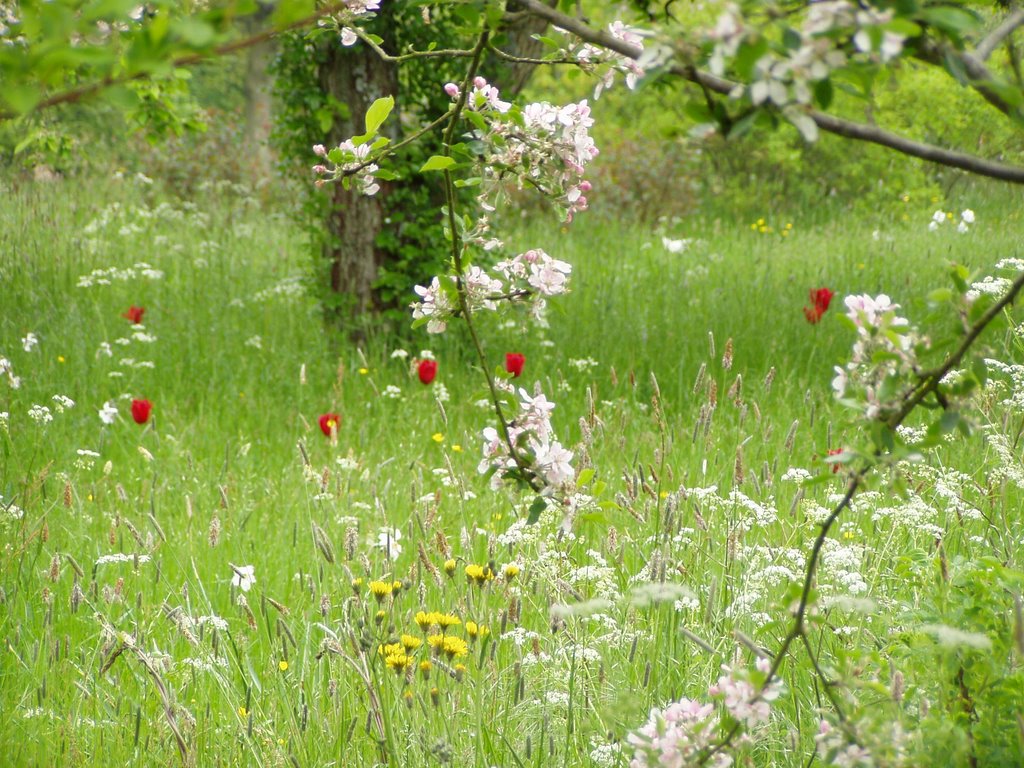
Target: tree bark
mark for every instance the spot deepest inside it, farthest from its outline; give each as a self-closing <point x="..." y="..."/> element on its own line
<point x="519" y="41"/>
<point x="258" y="87"/>
<point x="355" y="77"/>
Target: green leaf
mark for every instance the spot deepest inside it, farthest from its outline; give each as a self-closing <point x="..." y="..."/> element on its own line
<point x="951" y="20"/>
<point x="290" y="11"/>
<point x="193" y="31"/>
<point x="21" y="97"/>
<point x="378" y="113"/>
<point x="791" y="38"/>
<point x="585" y="477"/>
<point x="823" y="93"/>
<point x="980" y="370"/>
<point x="437" y="163"/>
<point x="698" y="111"/>
<point x="538" y="506"/>
<point x="26" y="142"/>
<point x="748" y="55"/>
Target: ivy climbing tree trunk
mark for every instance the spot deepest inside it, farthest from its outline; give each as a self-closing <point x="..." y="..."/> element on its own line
<point x="355" y="77"/>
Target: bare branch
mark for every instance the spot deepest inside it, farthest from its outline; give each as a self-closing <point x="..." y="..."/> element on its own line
<point x="935" y="53"/>
<point x="83" y="92"/>
<point x="846" y="128"/>
<point x="985" y="48"/>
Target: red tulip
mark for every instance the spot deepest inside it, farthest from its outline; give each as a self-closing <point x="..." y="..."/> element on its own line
<point x="135" y="314"/>
<point x="820" y="299"/>
<point x="141" y="410"/>
<point x="427" y="370"/>
<point x="329" y="423"/>
<point x="514" y="362"/>
<point x="835" y="452"/>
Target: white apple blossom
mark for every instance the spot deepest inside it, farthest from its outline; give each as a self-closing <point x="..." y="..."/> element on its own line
<point x="243" y="576"/>
<point x="387" y="542"/>
<point x="108" y="413"/>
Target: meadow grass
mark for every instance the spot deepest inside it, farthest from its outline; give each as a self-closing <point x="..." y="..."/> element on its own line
<point x="157" y="657"/>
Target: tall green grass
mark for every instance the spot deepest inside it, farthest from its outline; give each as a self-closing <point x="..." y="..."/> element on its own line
<point x="233" y="469"/>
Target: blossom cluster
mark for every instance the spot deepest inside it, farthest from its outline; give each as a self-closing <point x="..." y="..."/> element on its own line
<point x="532" y="275"/>
<point x="831" y="33"/>
<point x="543" y="146"/>
<point x="940" y="217"/>
<point x="686" y="730"/>
<point x="536" y="448"/>
<point x="590" y="57"/>
<point x="351" y="11"/>
<point x="348" y="160"/>
<point x="885" y="348"/>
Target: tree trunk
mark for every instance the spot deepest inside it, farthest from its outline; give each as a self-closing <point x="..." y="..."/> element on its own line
<point x="519" y="31"/>
<point x="356" y="77"/>
<point x="258" y="89"/>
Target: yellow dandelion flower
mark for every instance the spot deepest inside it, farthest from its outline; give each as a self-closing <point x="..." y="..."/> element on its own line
<point x="446" y="620"/>
<point x="754" y="227"/>
<point x="761" y="222"/>
<point x="511" y="571"/>
<point x="381" y="615"/>
<point x="454" y="647"/>
<point x="425" y="667"/>
<point x="390" y="649"/>
<point x="475" y="630"/>
<point x="60" y="358"/>
<point x="363" y="371"/>
<point x="282" y="665"/>
<point x="424" y="620"/>
<point x="479" y="573"/>
<point x="396" y="585"/>
<point x="243" y="712"/>
<point x="397" y="661"/>
<point x="457" y="448"/>
<point x="449" y="567"/>
<point x="357" y="585"/>
<point x="437" y="437"/>
<point x="411" y="643"/>
<point x="381" y="589"/>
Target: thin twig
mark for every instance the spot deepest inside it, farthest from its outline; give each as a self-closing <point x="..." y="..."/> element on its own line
<point x="846" y="128"/>
<point x="457" y="263"/>
<point x="985" y="48"/>
<point x="75" y="95"/>
<point x="917" y="395"/>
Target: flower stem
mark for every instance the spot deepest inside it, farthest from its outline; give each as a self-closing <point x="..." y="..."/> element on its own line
<point x="459" y="266"/>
